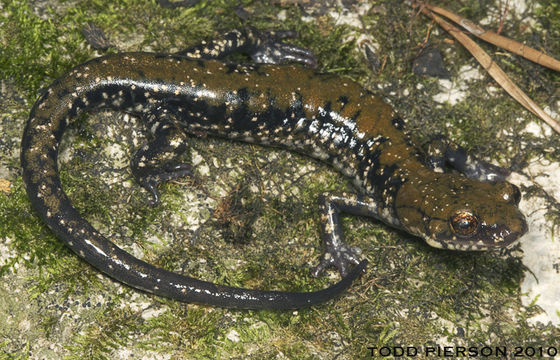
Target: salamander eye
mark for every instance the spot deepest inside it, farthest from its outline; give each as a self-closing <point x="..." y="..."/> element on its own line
<point x="464" y="223"/>
<point x="515" y="194"/>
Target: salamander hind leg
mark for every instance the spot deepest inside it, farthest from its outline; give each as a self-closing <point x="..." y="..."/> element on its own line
<point x="443" y="153"/>
<point x="156" y="162"/>
<point x="337" y="252"/>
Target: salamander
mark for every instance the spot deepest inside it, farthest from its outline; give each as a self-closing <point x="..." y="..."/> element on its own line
<point x="444" y="196"/>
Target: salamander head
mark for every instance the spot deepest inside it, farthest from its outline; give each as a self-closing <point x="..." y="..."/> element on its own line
<point x="457" y="213"/>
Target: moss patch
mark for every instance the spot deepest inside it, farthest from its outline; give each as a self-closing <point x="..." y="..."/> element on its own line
<point x="411" y="294"/>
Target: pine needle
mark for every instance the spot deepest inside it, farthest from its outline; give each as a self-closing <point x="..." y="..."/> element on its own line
<point x="486" y="61"/>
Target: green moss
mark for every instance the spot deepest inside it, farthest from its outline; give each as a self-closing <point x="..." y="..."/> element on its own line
<point x="35" y="52"/>
<point x="32" y="243"/>
<point x="410" y="295"/>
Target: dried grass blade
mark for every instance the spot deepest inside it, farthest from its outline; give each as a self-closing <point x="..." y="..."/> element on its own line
<point x="494" y="70"/>
<point x="498" y="40"/>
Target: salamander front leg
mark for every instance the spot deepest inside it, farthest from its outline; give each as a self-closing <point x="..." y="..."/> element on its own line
<point x="264" y="47"/>
<point x="267" y="48"/>
<point x="156" y="162"/>
<point x="337" y="252"/>
<point x="443" y="153"/>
